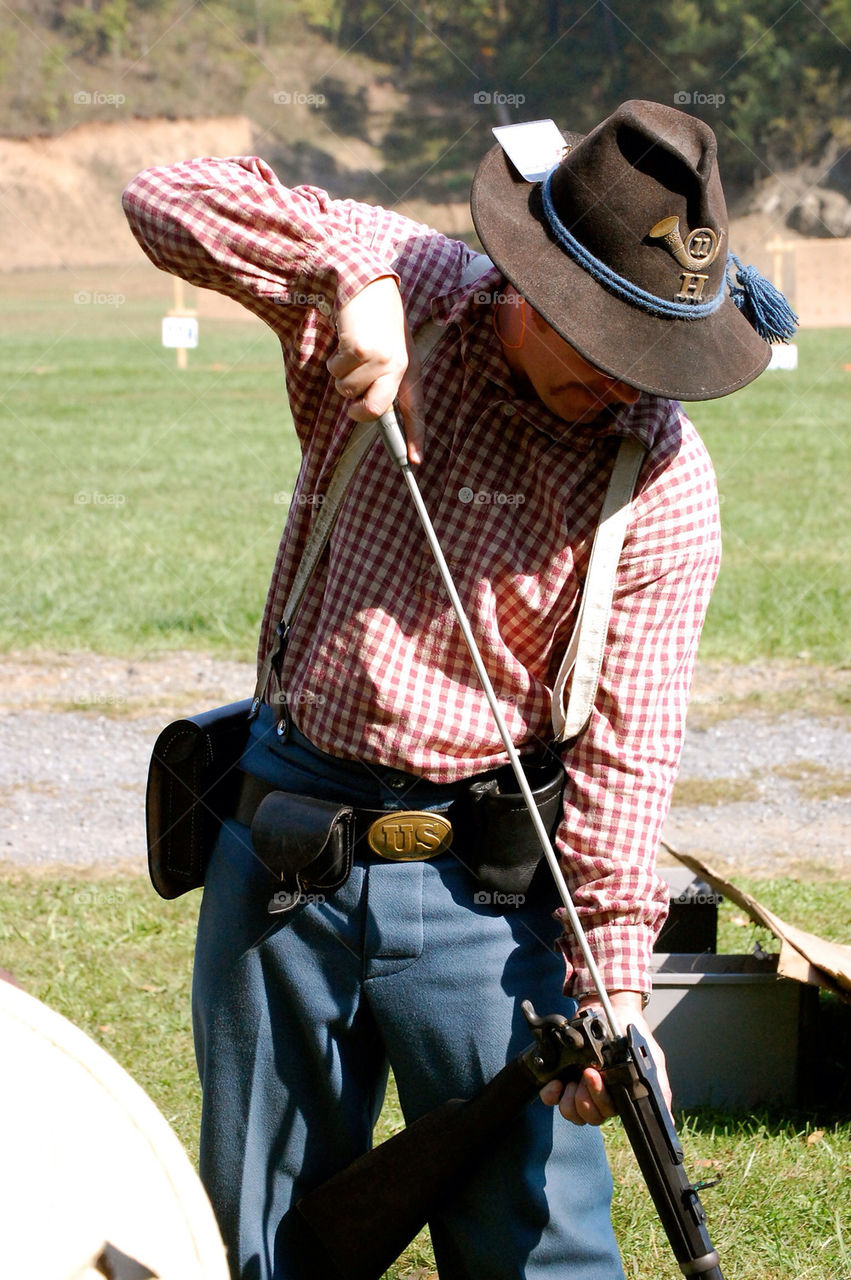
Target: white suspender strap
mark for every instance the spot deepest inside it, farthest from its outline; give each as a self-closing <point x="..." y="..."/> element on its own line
<point x="583" y="658"/>
<point x="360" y="440"/>
<point x="475" y="268"/>
<point x="429" y="331"/>
<point x="362" y="436"/>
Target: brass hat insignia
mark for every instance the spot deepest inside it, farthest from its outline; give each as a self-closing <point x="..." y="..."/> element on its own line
<point x="698" y="251"/>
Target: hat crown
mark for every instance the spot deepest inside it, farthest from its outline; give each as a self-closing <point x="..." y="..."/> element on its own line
<point x="642" y="194"/>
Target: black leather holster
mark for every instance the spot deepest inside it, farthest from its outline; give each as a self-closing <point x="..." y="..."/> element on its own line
<point x="193" y="782"/>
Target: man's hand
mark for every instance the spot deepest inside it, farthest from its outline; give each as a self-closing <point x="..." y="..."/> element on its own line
<point x="375" y="361"/>
<point x="587" y="1100"/>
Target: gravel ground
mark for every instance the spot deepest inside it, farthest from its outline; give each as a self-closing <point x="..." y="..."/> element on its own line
<point x="789" y="811"/>
<point x="764" y="786"/>
<point x="76" y="733"/>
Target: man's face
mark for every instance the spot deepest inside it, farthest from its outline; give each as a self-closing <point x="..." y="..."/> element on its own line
<point x="558" y="375"/>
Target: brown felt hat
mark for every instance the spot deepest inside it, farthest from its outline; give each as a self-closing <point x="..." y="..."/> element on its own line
<point x="623" y="249"/>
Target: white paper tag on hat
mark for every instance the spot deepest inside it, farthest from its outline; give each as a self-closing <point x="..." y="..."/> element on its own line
<point x="533" y="148"/>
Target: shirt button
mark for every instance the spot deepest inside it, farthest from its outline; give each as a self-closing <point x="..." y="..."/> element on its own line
<point x="324" y="306"/>
<point x="508" y="411"/>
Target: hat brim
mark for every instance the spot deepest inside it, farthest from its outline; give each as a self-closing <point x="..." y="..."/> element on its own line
<point x="680" y="359"/>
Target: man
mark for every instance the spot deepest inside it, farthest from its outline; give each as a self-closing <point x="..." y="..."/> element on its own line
<point x="607" y="299"/>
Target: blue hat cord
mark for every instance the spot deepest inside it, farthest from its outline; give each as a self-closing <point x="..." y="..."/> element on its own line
<point x="762" y="305"/>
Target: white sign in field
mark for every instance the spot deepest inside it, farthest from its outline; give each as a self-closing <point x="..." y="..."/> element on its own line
<point x="180" y="331"/>
<point x="783" y="356"/>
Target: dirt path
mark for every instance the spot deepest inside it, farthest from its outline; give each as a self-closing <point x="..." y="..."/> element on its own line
<point x="764" y="785"/>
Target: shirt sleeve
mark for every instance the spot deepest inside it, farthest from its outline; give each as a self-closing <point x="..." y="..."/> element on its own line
<point x="230" y="225"/>
<point x="620" y="775"/>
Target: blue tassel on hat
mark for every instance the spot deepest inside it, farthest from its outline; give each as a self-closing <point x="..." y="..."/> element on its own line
<point x="761" y="304"/>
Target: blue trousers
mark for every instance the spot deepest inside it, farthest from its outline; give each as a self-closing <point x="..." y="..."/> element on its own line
<point x="297" y="1019"/>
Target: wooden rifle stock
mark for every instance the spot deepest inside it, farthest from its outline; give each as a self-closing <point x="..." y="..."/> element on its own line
<point x="365" y="1216"/>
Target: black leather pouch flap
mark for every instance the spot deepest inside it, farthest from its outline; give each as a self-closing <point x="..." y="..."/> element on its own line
<point x="303" y="840"/>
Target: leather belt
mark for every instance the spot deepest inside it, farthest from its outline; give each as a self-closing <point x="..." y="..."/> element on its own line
<point x="397" y="835"/>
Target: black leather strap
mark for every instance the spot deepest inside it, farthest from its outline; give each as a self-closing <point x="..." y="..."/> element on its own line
<point x="254" y="791"/>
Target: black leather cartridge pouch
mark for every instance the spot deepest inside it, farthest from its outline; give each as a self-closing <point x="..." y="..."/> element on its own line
<point x="193" y="779"/>
<point x="306" y="843"/>
<point x="506" y="850"/>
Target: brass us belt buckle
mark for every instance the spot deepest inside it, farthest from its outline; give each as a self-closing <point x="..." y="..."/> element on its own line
<point x="409" y="835"/>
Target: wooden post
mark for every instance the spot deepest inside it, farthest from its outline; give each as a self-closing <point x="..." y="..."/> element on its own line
<point x="179" y="309"/>
<point x="777" y="248"/>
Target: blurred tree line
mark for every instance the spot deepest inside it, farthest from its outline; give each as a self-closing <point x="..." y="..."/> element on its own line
<point x="770" y="76"/>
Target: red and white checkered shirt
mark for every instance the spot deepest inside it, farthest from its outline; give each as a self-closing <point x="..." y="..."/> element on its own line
<point x="376" y="668"/>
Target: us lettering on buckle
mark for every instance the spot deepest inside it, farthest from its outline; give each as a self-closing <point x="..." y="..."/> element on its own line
<point x="410" y="835"/>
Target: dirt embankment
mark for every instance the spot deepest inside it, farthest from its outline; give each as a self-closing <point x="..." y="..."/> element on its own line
<point x="61" y="196"/>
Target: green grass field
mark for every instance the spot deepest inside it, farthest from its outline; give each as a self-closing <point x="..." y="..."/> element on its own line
<point x="142" y="506"/>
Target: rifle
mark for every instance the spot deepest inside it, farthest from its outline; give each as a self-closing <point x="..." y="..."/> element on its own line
<point x="365" y="1216"/>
